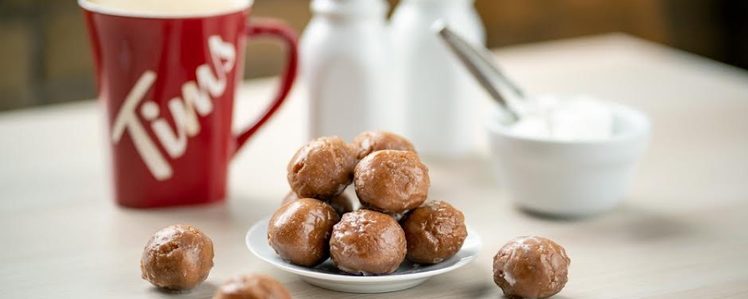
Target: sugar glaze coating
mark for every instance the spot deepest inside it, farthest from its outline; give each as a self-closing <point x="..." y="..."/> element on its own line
<point x="372" y="141"/>
<point x="299" y="231"/>
<point x="177" y="257"/>
<point x="322" y="168"/>
<point x="434" y="232"/>
<point x="252" y="286"/>
<point x="367" y="242"/>
<point x="392" y="181"/>
<point x="531" y="267"/>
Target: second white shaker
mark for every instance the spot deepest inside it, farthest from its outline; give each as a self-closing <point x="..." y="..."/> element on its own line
<point x="346" y="67"/>
<point x="439" y="95"/>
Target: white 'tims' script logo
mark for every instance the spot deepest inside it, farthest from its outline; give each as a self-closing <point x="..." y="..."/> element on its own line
<point x="195" y="100"/>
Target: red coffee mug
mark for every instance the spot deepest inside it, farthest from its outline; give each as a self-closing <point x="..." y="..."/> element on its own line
<point x="167" y="84"/>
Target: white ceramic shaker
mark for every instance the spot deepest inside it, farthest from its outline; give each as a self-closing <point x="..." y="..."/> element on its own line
<point x="347" y="68"/>
<point x="439" y="96"/>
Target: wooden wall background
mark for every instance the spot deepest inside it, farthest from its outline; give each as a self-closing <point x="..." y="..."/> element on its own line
<point x="45" y="59"/>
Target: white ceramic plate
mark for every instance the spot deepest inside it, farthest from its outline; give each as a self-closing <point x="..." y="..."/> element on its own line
<point x="327" y="276"/>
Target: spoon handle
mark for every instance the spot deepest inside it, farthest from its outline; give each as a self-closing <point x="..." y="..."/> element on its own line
<point x="481" y="67"/>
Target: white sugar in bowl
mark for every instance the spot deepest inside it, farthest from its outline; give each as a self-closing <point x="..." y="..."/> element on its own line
<point x="563" y="176"/>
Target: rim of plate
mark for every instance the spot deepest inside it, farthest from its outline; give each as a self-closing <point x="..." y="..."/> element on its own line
<point x="358" y="278"/>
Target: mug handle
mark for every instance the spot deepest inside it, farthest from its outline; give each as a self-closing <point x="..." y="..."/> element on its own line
<point x="278" y="30"/>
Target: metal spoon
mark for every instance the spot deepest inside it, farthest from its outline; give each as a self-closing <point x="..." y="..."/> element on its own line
<point x="479" y="62"/>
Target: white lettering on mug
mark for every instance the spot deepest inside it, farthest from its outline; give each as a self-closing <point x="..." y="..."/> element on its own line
<point x="196" y="100"/>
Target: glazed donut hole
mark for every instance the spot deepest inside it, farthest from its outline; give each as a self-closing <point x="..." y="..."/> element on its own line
<point x="434" y="232"/>
<point x="299" y="231"/>
<point x="322" y="168"/>
<point x="252" y="286"/>
<point x="372" y="141"/>
<point x="391" y="181"/>
<point x="531" y="267"/>
<point x="367" y="242"/>
<point x="177" y="257"/>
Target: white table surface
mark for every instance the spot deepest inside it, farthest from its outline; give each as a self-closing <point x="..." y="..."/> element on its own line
<point x="681" y="233"/>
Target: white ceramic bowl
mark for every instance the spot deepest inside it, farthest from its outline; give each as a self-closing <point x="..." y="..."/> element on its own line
<point x="564" y="178"/>
<point x="329" y="277"/>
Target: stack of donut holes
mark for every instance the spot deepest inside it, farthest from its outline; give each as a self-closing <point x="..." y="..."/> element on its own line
<point x="395" y="221"/>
